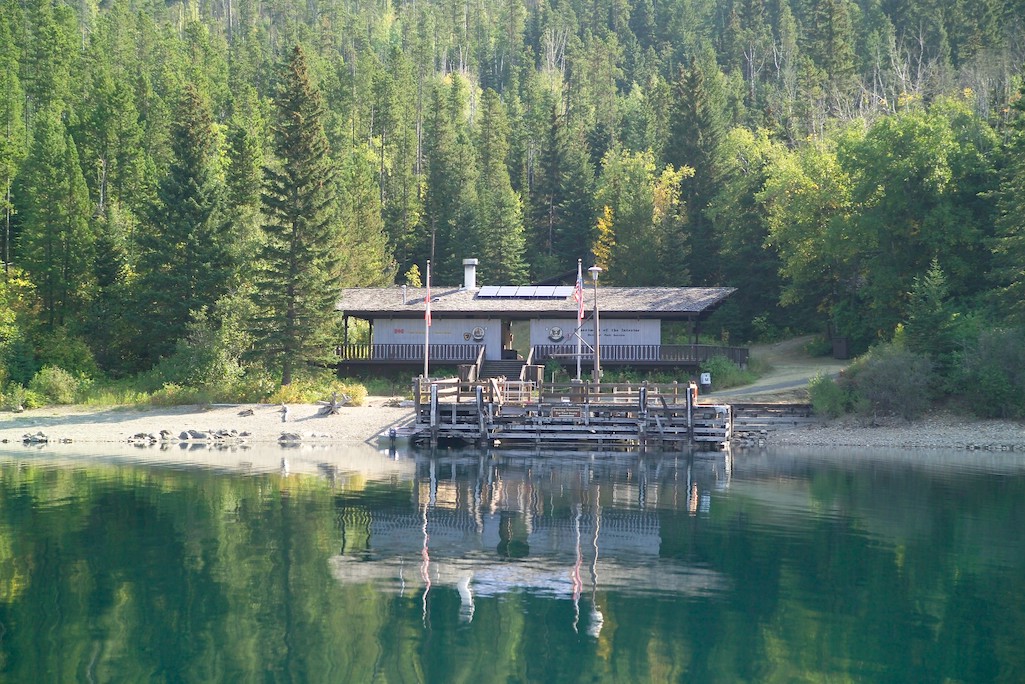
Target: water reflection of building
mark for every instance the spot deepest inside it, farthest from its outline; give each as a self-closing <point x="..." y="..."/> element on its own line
<point x="566" y="528"/>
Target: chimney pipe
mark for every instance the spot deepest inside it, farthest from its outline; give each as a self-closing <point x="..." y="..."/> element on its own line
<point x="470" y="274"/>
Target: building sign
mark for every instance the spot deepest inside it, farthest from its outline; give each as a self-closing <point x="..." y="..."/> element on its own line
<point x="613" y="331"/>
<point x="443" y="331"/>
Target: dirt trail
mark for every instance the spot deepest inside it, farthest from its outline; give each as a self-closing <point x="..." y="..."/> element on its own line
<point x="790" y="369"/>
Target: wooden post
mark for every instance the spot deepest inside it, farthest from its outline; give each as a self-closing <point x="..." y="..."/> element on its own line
<point x="416" y="398"/>
<point x="642" y="415"/>
<point x="434" y="414"/>
<point x="690" y="414"/>
<point x="479" y="391"/>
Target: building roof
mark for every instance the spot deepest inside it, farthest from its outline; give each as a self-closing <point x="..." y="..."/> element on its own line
<point x="667" y="303"/>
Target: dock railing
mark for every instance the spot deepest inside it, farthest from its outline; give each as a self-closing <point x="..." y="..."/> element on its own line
<point x="513" y="412"/>
<point x="502" y="391"/>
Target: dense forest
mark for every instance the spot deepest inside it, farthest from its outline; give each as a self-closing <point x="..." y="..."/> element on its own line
<point x="185" y="184"/>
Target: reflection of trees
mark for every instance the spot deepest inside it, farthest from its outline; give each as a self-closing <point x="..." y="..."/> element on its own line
<point x="133" y="574"/>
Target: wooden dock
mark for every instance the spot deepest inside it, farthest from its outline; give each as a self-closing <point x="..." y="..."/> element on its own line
<point x="520" y="414"/>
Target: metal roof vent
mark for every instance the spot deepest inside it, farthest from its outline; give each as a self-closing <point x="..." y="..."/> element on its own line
<point x="470" y="274"/>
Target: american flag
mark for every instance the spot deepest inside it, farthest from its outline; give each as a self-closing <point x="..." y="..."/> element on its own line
<point x="427" y="299"/>
<point x="578" y="292"/>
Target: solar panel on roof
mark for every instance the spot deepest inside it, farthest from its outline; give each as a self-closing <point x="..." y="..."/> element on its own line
<point x="524" y="292"/>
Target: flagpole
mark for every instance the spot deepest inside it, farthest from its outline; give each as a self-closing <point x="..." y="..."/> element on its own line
<point x="580" y="307"/>
<point x="427" y="320"/>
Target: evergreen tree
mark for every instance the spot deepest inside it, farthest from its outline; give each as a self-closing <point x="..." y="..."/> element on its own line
<point x="366" y="256"/>
<point x="575" y="206"/>
<point x="1009" y="247"/>
<point x="700" y="123"/>
<point x="48" y="60"/>
<point x="563" y="214"/>
<point x="400" y="180"/>
<point x="449" y="221"/>
<point x="298" y="278"/>
<point x="56" y="246"/>
<point x="741" y="232"/>
<point x="244" y="174"/>
<point x="13" y="143"/>
<point x="501" y="220"/>
<point x="184" y="256"/>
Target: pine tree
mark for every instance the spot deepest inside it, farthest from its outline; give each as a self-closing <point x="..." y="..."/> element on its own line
<point x="501" y="219"/>
<point x="298" y="277"/>
<point x="1009" y="247"/>
<point x="56" y="246"/>
<point x="563" y="214"/>
<point x="244" y="174"/>
<point x="184" y="264"/>
<point x="366" y="257"/>
<point x="449" y="223"/>
<point x="13" y="147"/>
<point x="700" y="124"/>
<point x="400" y="182"/>
<point x="575" y="208"/>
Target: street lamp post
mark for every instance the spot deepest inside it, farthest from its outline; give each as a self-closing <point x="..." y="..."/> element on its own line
<point x="595" y="271"/>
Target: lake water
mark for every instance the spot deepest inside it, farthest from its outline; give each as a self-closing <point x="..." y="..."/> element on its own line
<point x="359" y="565"/>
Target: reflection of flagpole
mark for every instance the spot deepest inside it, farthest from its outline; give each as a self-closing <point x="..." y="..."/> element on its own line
<point x="425" y="565"/>
<point x="597" y="619"/>
<point x="578" y="584"/>
<point x="427" y="319"/>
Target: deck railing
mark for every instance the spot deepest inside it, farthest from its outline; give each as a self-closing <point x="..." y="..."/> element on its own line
<point x="445" y="353"/>
<point x="611" y="354"/>
<point x="644" y="354"/>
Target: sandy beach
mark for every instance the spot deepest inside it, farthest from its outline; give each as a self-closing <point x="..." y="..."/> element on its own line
<point x="259" y="423"/>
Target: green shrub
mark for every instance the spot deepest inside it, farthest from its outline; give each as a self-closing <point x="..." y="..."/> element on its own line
<point x="13" y="398"/>
<point x="385" y="386"/>
<point x="311" y="391"/>
<point x="26" y="398"/>
<point x="726" y="374"/>
<point x="891" y="380"/>
<point x="819" y="345"/>
<point x="990" y="374"/>
<point x="176" y="395"/>
<point x="828" y="397"/>
<point x="63" y="350"/>
<point x="54" y="385"/>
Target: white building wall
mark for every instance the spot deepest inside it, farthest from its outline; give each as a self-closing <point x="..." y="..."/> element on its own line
<point x="613" y="331"/>
<point x="443" y="331"/>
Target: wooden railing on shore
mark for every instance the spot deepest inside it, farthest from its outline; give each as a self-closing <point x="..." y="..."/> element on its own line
<point x="651" y="354"/>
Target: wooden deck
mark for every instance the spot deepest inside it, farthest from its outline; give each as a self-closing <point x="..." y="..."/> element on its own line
<point x="507" y="413"/>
